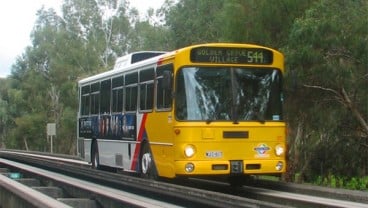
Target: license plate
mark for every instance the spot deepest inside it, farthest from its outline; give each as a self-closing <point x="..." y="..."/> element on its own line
<point x="214" y="154"/>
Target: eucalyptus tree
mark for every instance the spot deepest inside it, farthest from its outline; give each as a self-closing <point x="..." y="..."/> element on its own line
<point x="327" y="54"/>
<point x="192" y="22"/>
<point x="149" y="35"/>
<point x="26" y="106"/>
<point x="102" y="26"/>
<point x="5" y="116"/>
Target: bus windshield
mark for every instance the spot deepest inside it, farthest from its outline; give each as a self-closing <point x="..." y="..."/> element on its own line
<point x="228" y="94"/>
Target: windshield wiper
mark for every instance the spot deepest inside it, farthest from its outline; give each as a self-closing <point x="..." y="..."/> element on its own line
<point x="208" y="121"/>
<point x="259" y="115"/>
<point x="260" y="118"/>
<point x="234" y="114"/>
<point x="234" y="106"/>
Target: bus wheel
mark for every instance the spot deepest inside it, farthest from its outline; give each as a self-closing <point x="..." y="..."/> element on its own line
<point x="148" y="169"/>
<point x="95" y="159"/>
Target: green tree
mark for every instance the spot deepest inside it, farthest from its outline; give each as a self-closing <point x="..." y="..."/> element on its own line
<point x="262" y="22"/>
<point x="327" y="54"/>
<point x="192" y="22"/>
<point x="84" y="41"/>
<point x="149" y="37"/>
<point x="5" y="116"/>
<point x="269" y="21"/>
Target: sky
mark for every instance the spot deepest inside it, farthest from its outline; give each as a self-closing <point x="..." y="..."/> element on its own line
<point x="17" y="18"/>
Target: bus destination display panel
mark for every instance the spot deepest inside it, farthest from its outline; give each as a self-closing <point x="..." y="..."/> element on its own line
<point x="221" y="55"/>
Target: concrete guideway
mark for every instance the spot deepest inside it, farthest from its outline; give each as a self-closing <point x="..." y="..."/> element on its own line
<point x="317" y="201"/>
<point x="15" y="194"/>
<point x="37" y="199"/>
<point x="259" y="193"/>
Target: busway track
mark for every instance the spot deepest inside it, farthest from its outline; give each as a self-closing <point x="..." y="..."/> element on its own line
<point x="141" y="192"/>
<point x="288" y="194"/>
<point x="201" y="193"/>
<point x="35" y="187"/>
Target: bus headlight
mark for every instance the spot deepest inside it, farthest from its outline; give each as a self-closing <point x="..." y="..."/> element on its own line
<point x="189" y="167"/>
<point x="189" y="151"/>
<point x="279" y="166"/>
<point x="279" y="150"/>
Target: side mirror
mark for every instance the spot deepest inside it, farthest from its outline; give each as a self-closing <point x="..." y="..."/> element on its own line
<point x="167" y="80"/>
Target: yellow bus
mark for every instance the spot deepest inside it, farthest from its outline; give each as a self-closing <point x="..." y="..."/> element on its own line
<point x="204" y="110"/>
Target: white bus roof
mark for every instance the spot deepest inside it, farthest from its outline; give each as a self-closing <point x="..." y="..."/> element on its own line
<point x="124" y="61"/>
<point x="124" y="68"/>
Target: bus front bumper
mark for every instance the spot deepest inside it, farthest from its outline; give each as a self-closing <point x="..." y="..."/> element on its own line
<point x="230" y="167"/>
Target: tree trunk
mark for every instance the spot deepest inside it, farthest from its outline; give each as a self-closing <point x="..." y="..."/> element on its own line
<point x="355" y="112"/>
<point x="345" y="100"/>
<point x="293" y="169"/>
<point x="25" y="142"/>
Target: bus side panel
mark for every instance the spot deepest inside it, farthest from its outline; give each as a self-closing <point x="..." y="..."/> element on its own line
<point x="115" y="153"/>
<point x="87" y="143"/>
<point x="159" y="127"/>
<point x="87" y="129"/>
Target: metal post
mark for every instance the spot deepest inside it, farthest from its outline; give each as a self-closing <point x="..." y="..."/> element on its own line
<point x="51" y="145"/>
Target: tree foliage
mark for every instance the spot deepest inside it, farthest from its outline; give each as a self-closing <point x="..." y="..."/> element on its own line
<point x="325" y="43"/>
<point x="327" y="54"/>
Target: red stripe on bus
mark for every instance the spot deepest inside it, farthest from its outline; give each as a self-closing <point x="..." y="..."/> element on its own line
<point x="138" y="145"/>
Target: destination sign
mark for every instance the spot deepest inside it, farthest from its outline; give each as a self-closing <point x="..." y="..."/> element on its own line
<point x="223" y="55"/>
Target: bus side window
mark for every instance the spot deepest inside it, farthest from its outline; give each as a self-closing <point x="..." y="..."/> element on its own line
<point x="85" y="100"/>
<point x="95" y="95"/>
<point x="117" y="94"/>
<point x="105" y="96"/>
<point x="131" y="81"/>
<point x="146" y="78"/>
<point x="164" y="98"/>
